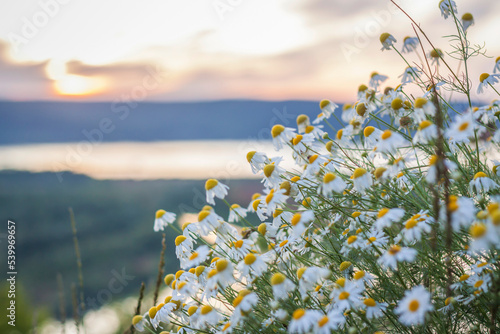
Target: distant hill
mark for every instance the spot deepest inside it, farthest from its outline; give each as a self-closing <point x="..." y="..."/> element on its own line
<point x="55" y="122"/>
<point x="115" y="230"/>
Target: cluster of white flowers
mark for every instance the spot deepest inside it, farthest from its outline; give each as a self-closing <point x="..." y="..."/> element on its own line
<point x="374" y="229"/>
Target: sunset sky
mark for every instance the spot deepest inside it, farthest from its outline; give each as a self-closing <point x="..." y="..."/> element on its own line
<point x="166" y="50"/>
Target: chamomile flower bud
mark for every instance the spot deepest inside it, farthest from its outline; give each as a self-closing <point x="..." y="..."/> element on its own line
<point x="486" y="80"/>
<point x="447" y="7"/>
<point x="467" y="20"/>
<point x="414" y="306"/>
<point x="215" y="189"/>
<point x="163" y="219"/>
<point x="410" y="44"/>
<point x="482" y="183"/>
<point x="387" y="41"/>
<point x="361" y="179"/>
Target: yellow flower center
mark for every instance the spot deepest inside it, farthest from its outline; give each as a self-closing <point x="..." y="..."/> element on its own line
<point x="250" y="258"/>
<point x="382" y="212"/>
<point x="358" y="172"/>
<point x="464" y="277"/>
<point x="277" y="130"/>
<point x="467" y="17"/>
<point x="250" y="155"/>
<point x="221" y="265"/>
<point x="226" y="326"/>
<point x="324" y="103"/>
<point x="193" y="256"/>
<point x="206" y="309"/>
<point x="344" y="295"/>
<point x="352" y="239"/>
<point x="384" y="37"/>
<point x="411" y="224"/>
<point x="478" y="284"/>
<point x="296" y="219"/>
<point x="345" y="265"/>
<point x="283" y="243"/>
<point x="309" y="129"/>
<point x="297" y="139"/>
<point x="386" y="134"/>
<point x="424" y="124"/>
<point x="463" y="126"/>
<point x="323" y="321"/>
<point x="302" y="119"/>
<point x="136" y="319"/>
<point x="203" y="214"/>
<point x="495" y="217"/>
<point x="160" y="213"/>
<point x="277" y="278"/>
<point x="359" y="275"/>
<point x="420" y="102"/>
<point x="480" y="174"/>
<point x="478" y="230"/>
<point x="370" y="302"/>
<point x="483" y="77"/>
<point x="313" y="158"/>
<point x="179" y="240"/>
<point x="361" y="109"/>
<point x="152" y="312"/>
<point x="341" y="282"/>
<point x="371" y="240"/>
<point x="329" y="177"/>
<point x="299" y="313"/>
<point x="379" y="172"/>
<point x="199" y="270"/>
<point x="397" y="103"/>
<point x="339" y="134"/>
<point x="255" y="204"/>
<point x="268" y="170"/>
<point x="368" y="131"/>
<point x="414" y="305"/>
<point x="211" y="183"/>
<point x="262" y="228"/>
<point x="394" y="249"/>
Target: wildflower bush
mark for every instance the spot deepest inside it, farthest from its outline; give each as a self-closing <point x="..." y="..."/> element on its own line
<point x="389" y="223"/>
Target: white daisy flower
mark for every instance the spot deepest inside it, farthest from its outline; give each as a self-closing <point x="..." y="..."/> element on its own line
<point x="281" y="286"/>
<point x="486" y="80"/>
<point x="303" y="320"/>
<point x="390" y="141"/>
<point x="139" y="322"/>
<point x="208" y="316"/>
<point x="309" y="278"/>
<point x="463" y="212"/>
<point x="447" y="7"/>
<point x="272" y="175"/>
<point x="410" y="74"/>
<point x="352" y="242"/>
<point x="376" y="239"/>
<point x="329" y="322"/>
<point x="196" y="257"/>
<point x="244" y="303"/>
<point x="414" y="227"/>
<point x="208" y="220"/>
<point x="361" y="180"/>
<point x="484" y="237"/>
<point x="302" y="123"/>
<point x="467" y="21"/>
<point x="479" y="282"/>
<point x="346" y="296"/>
<point x="183" y="246"/>
<point x="327" y="108"/>
<point x="331" y="183"/>
<point x="163" y="219"/>
<point x="260" y="208"/>
<point x="225" y="270"/>
<point x="386" y="217"/>
<point x="410" y="44"/>
<point x="373" y="309"/>
<point x="301" y="221"/>
<point x="387" y="41"/>
<point x="315" y="131"/>
<point x="361" y="278"/>
<point x="281" y="135"/>
<point x="397" y="254"/>
<point x="376" y="79"/>
<point x="275" y="199"/>
<point x="314" y="165"/>
<point x="427" y="132"/>
<point x="462" y="128"/>
<point x="482" y="183"/>
<point x="239" y="248"/>
<point x="257" y="160"/>
<point x="414" y="306"/>
<point x="423" y="108"/>
<point x="372" y="136"/>
<point x="215" y="189"/>
<point x="236" y="212"/>
<point x="435" y="56"/>
<point x="431" y="175"/>
<point x="253" y="265"/>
